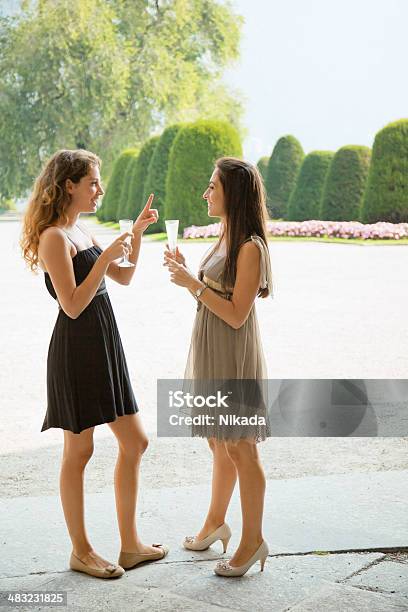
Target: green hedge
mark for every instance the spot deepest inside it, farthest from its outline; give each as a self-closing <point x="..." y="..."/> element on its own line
<point x="192" y="156"/>
<point x="262" y="166"/>
<point x="345" y="184"/>
<point x="283" y="168"/>
<point x="136" y="179"/>
<point x="156" y="176"/>
<point x="386" y="196"/>
<point x="111" y="201"/>
<point x="304" y="201"/>
<point x="122" y="212"/>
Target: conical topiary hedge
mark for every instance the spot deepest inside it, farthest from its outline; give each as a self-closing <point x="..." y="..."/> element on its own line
<point x="345" y="184"/>
<point x="126" y="187"/>
<point x="136" y="180"/>
<point x="111" y="201"/>
<point x="262" y="166"/>
<point x="192" y="156"/>
<point x="283" y="168"/>
<point x="157" y="172"/>
<point x="386" y="196"/>
<point x="305" y="199"/>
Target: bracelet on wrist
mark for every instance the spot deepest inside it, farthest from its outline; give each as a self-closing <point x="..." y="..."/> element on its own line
<point x="198" y="292"/>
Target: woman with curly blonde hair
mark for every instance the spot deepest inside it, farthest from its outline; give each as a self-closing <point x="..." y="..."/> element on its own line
<point x="88" y="381"/>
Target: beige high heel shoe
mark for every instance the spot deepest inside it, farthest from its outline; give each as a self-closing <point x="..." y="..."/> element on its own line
<point x="223" y="533"/>
<point x="223" y="568"/>
<point x="129" y="560"/>
<point x="111" y="571"/>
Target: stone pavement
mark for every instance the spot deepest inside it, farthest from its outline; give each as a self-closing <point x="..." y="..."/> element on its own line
<point x="336" y="542"/>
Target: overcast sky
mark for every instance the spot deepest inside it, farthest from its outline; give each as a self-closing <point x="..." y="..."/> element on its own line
<point x="330" y="72"/>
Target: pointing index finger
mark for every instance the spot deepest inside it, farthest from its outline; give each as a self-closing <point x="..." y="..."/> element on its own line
<point x="148" y="203"/>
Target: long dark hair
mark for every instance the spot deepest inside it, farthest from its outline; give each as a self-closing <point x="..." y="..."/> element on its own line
<point x="246" y="213"/>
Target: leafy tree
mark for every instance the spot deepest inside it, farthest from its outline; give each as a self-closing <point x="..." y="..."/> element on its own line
<point x="304" y="201"/>
<point x="136" y="180"/>
<point x="156" y="176"/>
<point x="345" y="184"/>
<point x="281" y="174"/>
<point x="60" y="79"/>
<point x="104" y="74"/>
<point x="386" y="195"/>
<point x="111" y="202"/>
<point x="192" y="156"/>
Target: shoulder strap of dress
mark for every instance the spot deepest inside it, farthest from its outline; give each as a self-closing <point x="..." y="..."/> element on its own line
<point x="266" y="272"/>
<point x="70" y="239"/>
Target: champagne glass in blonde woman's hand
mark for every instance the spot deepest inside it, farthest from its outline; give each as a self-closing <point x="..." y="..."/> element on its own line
<point x="126" y="225"/>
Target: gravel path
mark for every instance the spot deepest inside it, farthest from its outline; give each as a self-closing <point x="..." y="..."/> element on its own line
<point x="339" y="312"/>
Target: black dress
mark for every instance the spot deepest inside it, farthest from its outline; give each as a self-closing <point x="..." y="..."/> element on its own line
<point x="87" y="377"/>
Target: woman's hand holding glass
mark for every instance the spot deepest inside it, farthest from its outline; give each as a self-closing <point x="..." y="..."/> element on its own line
<point x="118" y="248"/>
<point x="180" y="275"/>
<point x="177" y="256"/>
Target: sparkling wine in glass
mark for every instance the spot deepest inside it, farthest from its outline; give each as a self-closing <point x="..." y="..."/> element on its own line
<point x="126" y="225"/>
<point x="172" y="231"/>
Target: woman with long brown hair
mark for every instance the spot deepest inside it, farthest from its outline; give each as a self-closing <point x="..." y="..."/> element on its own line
<point x="226" y="346"/>
<point x="88" y="381"/>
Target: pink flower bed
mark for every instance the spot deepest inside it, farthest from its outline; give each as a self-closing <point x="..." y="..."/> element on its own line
<point x="332" y="229"/>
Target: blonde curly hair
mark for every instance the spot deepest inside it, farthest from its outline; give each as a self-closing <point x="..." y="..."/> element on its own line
<point x="49" y="200"/>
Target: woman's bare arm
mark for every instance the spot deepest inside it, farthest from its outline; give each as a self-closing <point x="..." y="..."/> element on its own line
<point x="236" y="310"/>
<point x="54" y="252"/>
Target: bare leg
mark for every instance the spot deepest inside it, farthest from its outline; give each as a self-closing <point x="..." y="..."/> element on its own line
<point x="223" y="483"/>
<point x="132" y="442"/>
<point x="244" y="455"/>
<point x="78" y="449"/>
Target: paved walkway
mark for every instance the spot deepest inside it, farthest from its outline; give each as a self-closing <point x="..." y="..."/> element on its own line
<point x="333" y="546"/>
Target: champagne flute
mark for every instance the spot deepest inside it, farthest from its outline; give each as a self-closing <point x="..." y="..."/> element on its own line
<point x="172" y="231"/>
<point x="126" y="225"/>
